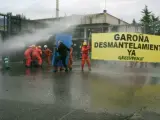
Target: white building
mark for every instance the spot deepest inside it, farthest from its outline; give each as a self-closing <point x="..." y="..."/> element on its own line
<point x="97" y="23"/>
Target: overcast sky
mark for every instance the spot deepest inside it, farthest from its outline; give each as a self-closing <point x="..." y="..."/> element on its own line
<point x="123" y="9"/>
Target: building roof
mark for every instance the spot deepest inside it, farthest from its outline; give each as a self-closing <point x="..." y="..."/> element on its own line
<point x="109" y="15"/>
<point x="96" y="14"/>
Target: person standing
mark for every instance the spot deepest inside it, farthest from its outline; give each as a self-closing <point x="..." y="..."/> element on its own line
<point x="85" y="56"/>
<point x="70" y="62"/>
<point x="63" y="53"/>
<point x="47" y="54"/>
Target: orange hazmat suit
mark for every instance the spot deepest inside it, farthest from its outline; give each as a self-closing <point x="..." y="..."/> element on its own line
<point x="27" y="55"/>
<point x="70" y="62"/>
<point x="85" y="56"/>
<point x="48" y="54"/>
<point x="36" y="55"/>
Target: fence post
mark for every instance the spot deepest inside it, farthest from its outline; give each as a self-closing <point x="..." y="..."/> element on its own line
<point x="9" y="23"/>
<point x="85" y="33"/>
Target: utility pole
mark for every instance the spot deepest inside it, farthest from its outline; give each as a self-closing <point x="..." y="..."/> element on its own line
<point x="105" y="11"/>
<point x="105" y="5"/>
<point x="57" y="8"/>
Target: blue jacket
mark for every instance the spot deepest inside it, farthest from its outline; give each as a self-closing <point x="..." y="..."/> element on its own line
<point x="60" y="62"/>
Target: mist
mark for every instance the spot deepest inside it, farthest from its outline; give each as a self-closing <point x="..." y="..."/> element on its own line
<point x="19" y="42"/>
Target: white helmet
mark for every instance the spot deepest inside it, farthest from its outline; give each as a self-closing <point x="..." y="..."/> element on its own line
<point x="32" y="46"/>
<point x="45" y="46"/>
<point x="59" y="42"/>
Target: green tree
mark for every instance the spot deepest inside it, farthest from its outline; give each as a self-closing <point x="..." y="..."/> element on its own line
<point x="155" y="25"/>
<point x="150" y="22"/>
<point x="154" y="18"/>
<point x="134" y="22"/>
<point x="146" y="19"/>
<point x="146" y="16"/>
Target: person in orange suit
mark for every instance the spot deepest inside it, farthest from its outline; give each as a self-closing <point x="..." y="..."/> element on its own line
<point x="70" y="62"/>
<point x="85" y="56"/>
<point x="47" y="53"/>
<point x="36" y="55"/>
<point x="40" y="50"/>
<point x="27" y="55"/>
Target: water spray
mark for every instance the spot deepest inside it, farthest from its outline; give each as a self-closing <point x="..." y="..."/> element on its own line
<point x="19" y="42"/>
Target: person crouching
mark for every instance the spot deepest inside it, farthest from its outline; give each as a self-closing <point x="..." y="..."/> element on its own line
<point x="27" y="56"/>
<point x="37" y="55"/>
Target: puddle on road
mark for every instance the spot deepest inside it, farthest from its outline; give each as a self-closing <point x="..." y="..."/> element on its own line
<point x="125" y="92"/>
<point x="128" y="93"/>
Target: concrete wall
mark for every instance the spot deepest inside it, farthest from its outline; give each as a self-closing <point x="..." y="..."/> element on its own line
<point x="96" y="19"/>
<point x="103" y="18"/>
<point x="126" y="28"/>
<point x="30" y="25"/>
<point x="130" y="28"/>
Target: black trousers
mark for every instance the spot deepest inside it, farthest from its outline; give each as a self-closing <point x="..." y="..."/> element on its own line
<point x="58" y="58"/>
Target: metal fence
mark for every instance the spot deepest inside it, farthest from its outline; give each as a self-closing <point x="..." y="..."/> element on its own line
<point x="10" y="25"/>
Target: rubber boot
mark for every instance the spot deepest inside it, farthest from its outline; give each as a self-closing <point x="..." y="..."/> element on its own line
<point x="61" y="69"/>
<point x="27" y="66"/>
<point x="82" y="69"/>
<point x="8" y="68"/>
<point x="55" y="69"/>
<point x="66" y="70"/>
<point x="70" y="68"/>
<point x="39" y="66"/>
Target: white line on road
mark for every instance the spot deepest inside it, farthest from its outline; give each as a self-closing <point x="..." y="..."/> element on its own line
<point x="67" y="114"/>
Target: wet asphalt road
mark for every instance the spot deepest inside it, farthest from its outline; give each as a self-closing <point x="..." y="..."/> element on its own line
<point x="113" y="93"/>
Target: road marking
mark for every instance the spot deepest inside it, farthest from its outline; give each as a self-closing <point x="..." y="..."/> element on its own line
<point x="67" y="114"/>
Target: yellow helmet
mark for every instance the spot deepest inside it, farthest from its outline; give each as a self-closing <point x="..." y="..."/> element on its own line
<point x="84" y="43"/>
<point x="33" y="46"/>
<point x="39" y="47"/>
